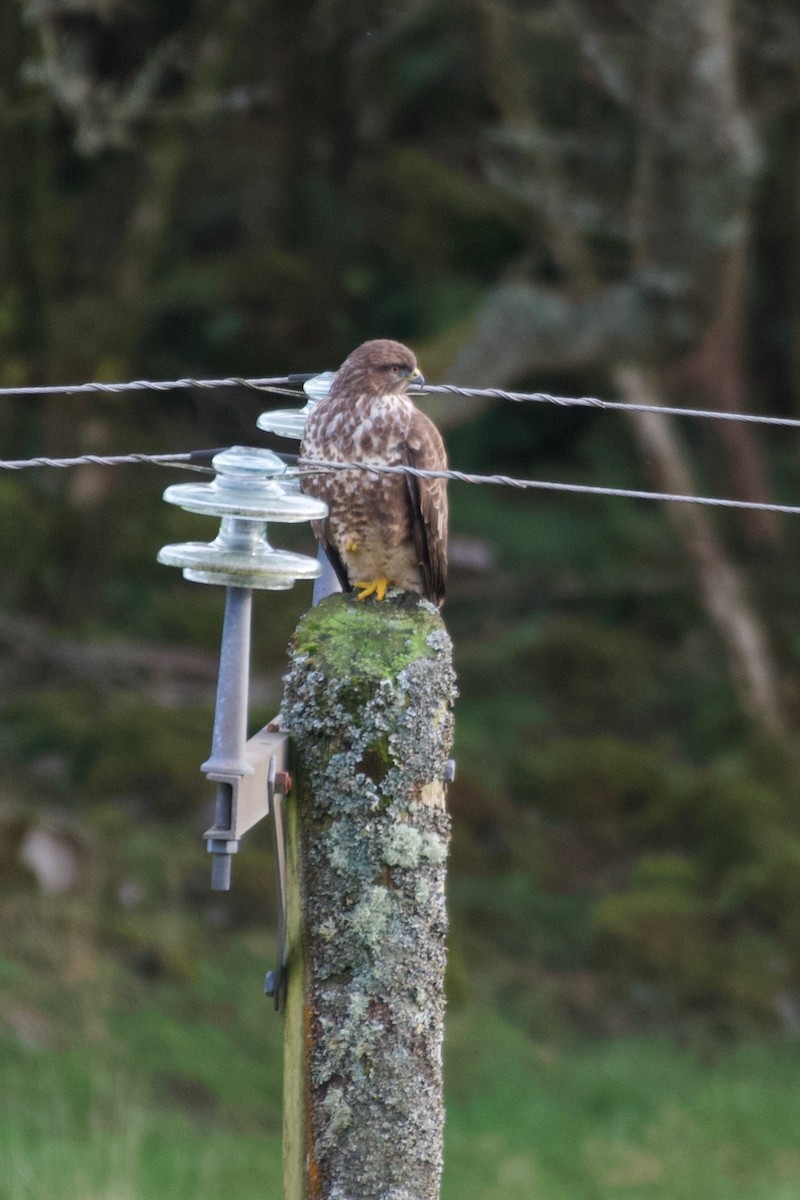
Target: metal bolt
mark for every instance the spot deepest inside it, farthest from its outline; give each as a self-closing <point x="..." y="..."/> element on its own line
<point x="283" y="782"/>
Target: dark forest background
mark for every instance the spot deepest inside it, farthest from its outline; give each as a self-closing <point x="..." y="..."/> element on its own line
<point x="565" y="196"/>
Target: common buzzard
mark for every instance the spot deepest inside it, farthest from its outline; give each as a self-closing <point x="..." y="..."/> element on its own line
<point x="382" y="530"/>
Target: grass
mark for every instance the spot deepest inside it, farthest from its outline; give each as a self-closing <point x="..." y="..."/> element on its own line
<point x="141" y="1061"/>
<point x="627" y="1119"/>
<point x="171" y="1092"/>
<point x="123" y="1148"/>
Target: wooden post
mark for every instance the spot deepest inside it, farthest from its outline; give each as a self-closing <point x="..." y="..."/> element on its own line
<point x="368" y="705"/>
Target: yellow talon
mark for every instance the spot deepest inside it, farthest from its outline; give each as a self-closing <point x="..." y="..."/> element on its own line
<point x="351" y="545"/>
<point x="371" y="587"/>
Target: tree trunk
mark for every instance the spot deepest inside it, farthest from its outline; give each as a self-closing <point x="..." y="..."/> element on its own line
<point x="721" y="584"/>
<point x="717" y="367"/>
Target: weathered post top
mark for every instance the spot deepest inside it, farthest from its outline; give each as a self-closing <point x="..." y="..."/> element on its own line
<point x="368" y="704"/>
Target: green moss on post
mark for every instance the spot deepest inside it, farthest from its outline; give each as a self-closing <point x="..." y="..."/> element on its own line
<point x="368" y="704"/>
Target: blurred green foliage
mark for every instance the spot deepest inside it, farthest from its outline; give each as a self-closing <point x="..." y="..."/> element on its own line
<point x="127" y="1085"/>
<point x="626" y="848"/>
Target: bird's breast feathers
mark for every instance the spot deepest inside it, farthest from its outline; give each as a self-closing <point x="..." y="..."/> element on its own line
<point x="369" y="429"/>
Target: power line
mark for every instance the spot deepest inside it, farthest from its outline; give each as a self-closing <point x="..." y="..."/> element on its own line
<point x="618" y="405"/>
<point x="547" y="485"/>
<point x="164" y="385"/>
<point x="289" y="384"/>
<point x="191" y="459"/>
<point x="194" y="458"/>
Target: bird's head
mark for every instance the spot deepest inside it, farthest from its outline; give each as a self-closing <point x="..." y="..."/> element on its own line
<point x="377" y="368"/>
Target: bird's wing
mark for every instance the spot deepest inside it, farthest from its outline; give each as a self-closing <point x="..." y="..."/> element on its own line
<point x="428" y="501"/>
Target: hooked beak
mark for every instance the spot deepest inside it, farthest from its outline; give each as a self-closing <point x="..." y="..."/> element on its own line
<point x="417" y="378"/>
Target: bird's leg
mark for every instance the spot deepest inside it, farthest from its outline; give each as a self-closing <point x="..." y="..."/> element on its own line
<point x="371" y="587"/>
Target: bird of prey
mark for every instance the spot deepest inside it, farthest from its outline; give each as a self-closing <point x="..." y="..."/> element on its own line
<point x="382" y="529"/>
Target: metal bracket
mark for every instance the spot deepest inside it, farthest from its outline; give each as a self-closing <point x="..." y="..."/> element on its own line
<point x="246" y="800"/>
<point x="249" y="795"/>
<point x="242" y="798"/>
<point x="275" y="982"/>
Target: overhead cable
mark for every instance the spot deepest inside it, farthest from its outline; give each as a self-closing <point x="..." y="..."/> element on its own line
<point x="316" y="466"/>
<point x="194" y="458"/>
<point x="618" y="405"/>
<point x="289" y="384"/>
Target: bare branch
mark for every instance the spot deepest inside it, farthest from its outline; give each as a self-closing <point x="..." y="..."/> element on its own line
<point x="179" y="673"/>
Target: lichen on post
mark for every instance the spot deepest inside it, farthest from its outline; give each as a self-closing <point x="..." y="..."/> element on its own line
<point x="368" y="705"/>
